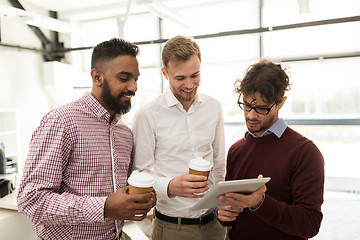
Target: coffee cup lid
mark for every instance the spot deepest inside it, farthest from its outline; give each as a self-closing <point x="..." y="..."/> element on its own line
<point x="141" y="179"/>
<point x="199" y="164"/>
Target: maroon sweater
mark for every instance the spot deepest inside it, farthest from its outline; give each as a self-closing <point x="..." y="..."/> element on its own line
<point x="292" y="205"/>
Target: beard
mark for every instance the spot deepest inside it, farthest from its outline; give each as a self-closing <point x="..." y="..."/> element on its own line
<point x="115" y="103"/>
<point x="262" y="126"/>
<point x="183" y="97"/>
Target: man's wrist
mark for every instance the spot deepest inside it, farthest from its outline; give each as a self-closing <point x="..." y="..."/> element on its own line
<point x="216" y="213"/>
<point x="170" y="195"/>
<point x="255" y="209"/>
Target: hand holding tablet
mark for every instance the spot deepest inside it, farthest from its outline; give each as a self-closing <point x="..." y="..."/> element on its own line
<point x="241" y="186"/>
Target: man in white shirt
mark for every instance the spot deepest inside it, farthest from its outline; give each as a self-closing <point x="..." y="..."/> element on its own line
<point x="178" y="126"/>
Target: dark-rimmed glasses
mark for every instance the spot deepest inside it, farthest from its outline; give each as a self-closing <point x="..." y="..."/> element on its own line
<point x="260" y="110"/>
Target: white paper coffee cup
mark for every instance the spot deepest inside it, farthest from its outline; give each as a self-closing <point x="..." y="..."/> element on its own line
<point x="199" y="166"/>
<point x="140" y="182"/>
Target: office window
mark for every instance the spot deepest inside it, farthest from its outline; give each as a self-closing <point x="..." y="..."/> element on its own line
<point x="282" y="12"/>
<point x="313" y="41"/>
<point x="324" y="89"/>
<point x="141" y="27"/>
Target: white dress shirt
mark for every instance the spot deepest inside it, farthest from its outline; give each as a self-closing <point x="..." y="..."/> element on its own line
<point x="167" y="137"/>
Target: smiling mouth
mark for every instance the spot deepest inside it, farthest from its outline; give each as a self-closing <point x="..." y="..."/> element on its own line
<point x="127" y="95"/>
<point x="126" y="99"/>
<point x="187" y="91"/>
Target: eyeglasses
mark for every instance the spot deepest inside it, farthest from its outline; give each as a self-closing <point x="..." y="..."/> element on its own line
<point x="259" y="110"/>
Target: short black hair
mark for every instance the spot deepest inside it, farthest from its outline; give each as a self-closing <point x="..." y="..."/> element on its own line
<point x="111" y="49"/>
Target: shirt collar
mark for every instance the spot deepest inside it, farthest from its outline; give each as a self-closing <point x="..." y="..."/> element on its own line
<point x="278" y="128"/>
<point x="98" y="109"/>
<point x="171" y="100"/>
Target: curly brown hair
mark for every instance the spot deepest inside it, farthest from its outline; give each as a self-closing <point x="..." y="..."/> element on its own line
<point x="267" y="78"/>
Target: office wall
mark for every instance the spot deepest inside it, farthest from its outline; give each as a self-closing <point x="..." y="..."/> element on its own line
<point x="21" y="88"/>
<point x="21" y="78"/>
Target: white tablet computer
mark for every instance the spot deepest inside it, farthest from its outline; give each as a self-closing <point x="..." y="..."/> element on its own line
<point x="241" y="186"/>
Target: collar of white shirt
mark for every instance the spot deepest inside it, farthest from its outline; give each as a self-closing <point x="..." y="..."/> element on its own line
<point x="171" y="101"/>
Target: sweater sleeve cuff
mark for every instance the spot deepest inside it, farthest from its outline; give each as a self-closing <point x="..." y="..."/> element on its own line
<point x="253" y="210"/>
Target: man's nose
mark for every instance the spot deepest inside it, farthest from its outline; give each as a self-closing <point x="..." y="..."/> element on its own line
<point x="188" y="83"/>
<point x="132" y="86"/>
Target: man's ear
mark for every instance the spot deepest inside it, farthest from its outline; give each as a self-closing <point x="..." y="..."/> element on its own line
<point x="282" y="102"/>
<point x="97" y="77"/>
<point x="164" y="73"/>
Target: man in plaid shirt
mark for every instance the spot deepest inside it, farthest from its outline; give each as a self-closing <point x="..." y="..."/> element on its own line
<point x="75" y="178"/>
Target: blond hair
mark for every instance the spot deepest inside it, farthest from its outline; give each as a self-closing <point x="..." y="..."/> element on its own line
<point x="179" y="49"/>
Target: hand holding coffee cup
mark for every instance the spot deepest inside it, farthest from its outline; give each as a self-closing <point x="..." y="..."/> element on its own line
<point x="140" y="182"/>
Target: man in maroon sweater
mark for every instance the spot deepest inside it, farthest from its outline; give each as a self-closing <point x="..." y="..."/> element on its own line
<point x="289" y="206"/>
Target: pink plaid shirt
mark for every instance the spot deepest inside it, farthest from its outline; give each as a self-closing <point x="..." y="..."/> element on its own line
<point x="75" y="156"/>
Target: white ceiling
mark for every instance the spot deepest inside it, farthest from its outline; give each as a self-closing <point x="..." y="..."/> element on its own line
<point x="82" y="9"/>
<point x="72" y="12"/>
<point x="72" y="5"/>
